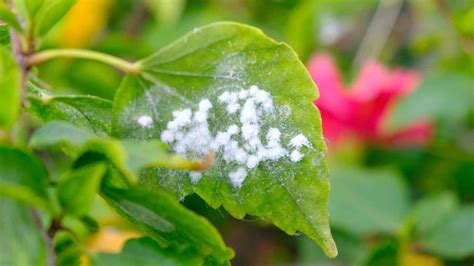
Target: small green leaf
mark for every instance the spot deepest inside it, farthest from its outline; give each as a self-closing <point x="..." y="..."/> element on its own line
<point x="4" y="35"/>
<point x="8" y="17"/>
<point x="204" y="64"/>
<point x="145" y="252"/>
<point x="33" y="6"/>
<point x="90" y="112"/>
<point x="77" y="191"/>
<point x="23" y="177"/>
<point x="51" y="12"/>
<point x="432" y="210"/>
<point x="128" y="156"/>
<point x="91" y="224"/>
<point x="62" y="135"/>
<point x="453" y="237"/>
<point x="367" y="202"/>
<point x="67" y="248"/>
<point x="20" y="242"/>
<point x="9" y="88"/>
<point x="28" y="8"/>
<point x="168" y="222"/>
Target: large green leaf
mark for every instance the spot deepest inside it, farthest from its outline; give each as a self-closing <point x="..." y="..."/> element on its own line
<point x="145" y="252"/>
<point x="128" y="156"/>
<point x="91" y="112"/>
<point x="76" y="193"/>
<point x="9" y="88"/>
<point x="20" y="242"/>
<point x="203" y="65"/>
<point x="168" y="222"/>
<point x="22" y="177"/>
<point x="367" y="202"/>
<point x="454" y="236"/>
<point x="50" y="13"/>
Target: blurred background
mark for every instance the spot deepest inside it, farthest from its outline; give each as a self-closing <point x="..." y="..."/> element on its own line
<point x="396" y="80"/>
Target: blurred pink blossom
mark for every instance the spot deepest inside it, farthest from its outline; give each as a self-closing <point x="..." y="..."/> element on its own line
<point x="361" y="110"/>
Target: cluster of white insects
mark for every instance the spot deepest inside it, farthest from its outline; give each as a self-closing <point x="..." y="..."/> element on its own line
<point x="241" y="144"/>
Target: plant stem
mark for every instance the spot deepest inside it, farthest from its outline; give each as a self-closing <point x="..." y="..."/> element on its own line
<point x="125" y="66"/>
<point x="46" y="237"/>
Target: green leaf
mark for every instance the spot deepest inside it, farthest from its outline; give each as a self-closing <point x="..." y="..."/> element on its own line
<point x="77" y="191"/>
<point x="230" y="57"/>
<point x="52" y="12"/>
<point x="433" y="100"/>
<point x="128" y="156"/>
<point x="62" y="135"/>
<point x="67" y="248"/>
<point x="367" y="202"/>
<point x="90" y="112"/>
<point x="352" y="251"/>
<point x="432" y="210"/>
<point x="145" y="252"/>
<point x="453" y="237"/>
<point x="9" y="88"/>
<point x="28" y="8"/>
<point x="23" y="177"/>
<point x="301" y="27"/>
<point x="168" y="222"/>
<point x="20" y="242"/>
<point x="4" y="35"/>
<point x="34" y="6"/>
<point x="8" y="17"/>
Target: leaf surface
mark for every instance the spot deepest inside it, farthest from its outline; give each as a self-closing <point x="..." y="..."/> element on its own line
<point x="145" y="252"/>
<point x="130" y="157"/>
<point x="168" y="222"/>
<point x="9" y="88"/>
<point x="21" y="243"/>
<point x="90" y="112"/>
<point x="432" y="210"/>
<point x="454" y="237"/>
<point x="229" y="57"/>
<point x="8" y="17"/>
<point x="23" y="177"/>
<point x="50" y="13"/>
<point x="77" y="191"/>
<point x="367" y="202"/>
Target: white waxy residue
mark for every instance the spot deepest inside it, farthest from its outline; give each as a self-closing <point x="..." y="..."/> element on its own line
<point x="238" y="177"/>
<point x="245" y="144"/>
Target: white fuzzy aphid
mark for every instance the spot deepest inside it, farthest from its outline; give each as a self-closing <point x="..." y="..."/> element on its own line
<point x="299" y="141"/>
<point x="242" y="144"/>
<point x="296" y="156"/>
<point x="145" y="121"/>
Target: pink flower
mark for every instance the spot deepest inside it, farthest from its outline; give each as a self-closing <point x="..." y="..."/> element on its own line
<point x="360" y="111"/>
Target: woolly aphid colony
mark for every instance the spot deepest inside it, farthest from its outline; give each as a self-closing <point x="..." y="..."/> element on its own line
<point x="188" y="134"/>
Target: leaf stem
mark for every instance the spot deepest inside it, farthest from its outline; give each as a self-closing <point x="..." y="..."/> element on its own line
<point x="125" y="66"/>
